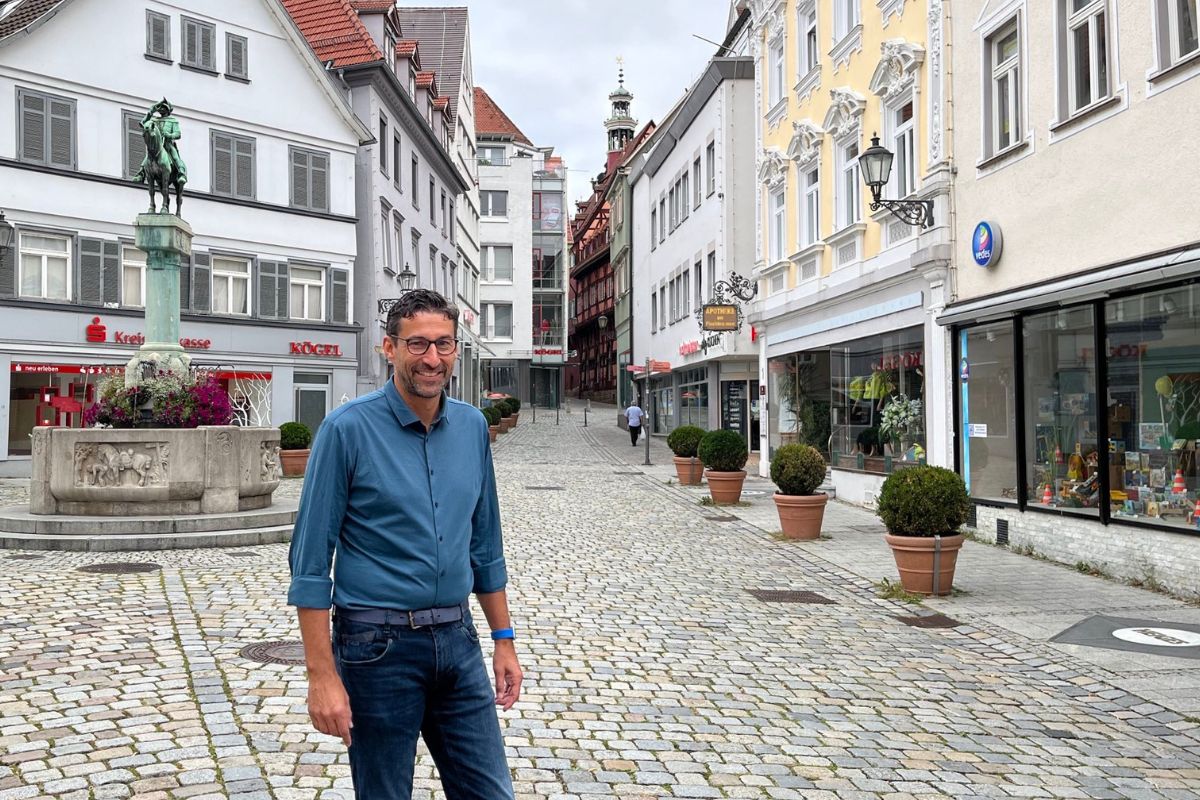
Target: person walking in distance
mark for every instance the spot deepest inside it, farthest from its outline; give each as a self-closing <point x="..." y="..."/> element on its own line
<point x="633" y="415"/>
<point x="400" y="489"/>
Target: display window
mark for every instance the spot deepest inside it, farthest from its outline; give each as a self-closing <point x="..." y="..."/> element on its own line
<point x="693" y="398"/>
<point x="987" y="396"/>
<point x="42" y="395"/>
<point x="799" y="400"/>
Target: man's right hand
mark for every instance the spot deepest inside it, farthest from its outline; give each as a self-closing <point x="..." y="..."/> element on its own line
<point x="329" y="706"/>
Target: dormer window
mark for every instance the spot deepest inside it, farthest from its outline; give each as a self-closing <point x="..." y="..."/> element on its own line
<point x="412" y="84"/>
<point x="390" y="49"/>
<point x="429" y="111"/>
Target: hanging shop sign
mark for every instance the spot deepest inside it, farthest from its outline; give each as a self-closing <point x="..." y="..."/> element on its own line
<point x="986" y="244"/>
<point x="720" y="317"/>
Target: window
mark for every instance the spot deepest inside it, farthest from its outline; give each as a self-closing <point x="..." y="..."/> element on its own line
<point x="845" y="18"/>
<point x="778" y="206"/>
<point x="416" y="254"/>
<point x="696" y="183"/>
<point x="433" y="265"/>
<point x="445" y="215"/>
<point x="198" y="43"/>
<point x="904" y="173"/>
<point x="133" y="277"/>
<point x="710" y="156"/>
<point x="498" y="320"/>
<point x="810" y="223"/>
<point x="45" y="270"/>
<point x="416" y="198"/>
<point x="653" y="312"/>
<point x="158" y="35"/>
<point x="135" y="146"/>
<point x="809" y="57"/>
<point x="398" y="233"/>
<point x="493" y="204"/>
<point x="310" y="180"/>
<point x="383" y="137"/>
<point x="712" y="273"/>
<point x="230" y="285"/>
<point x="307" y="293"/>
<point x="662" y="220"/>
<point x="699" y="283"/>
<point x="683" y="196"/>
<point x="46" y="129"/>
<point x="775" y="82"/>
<point x="662" y="308"/>
<point x="396" y="161"/>
<point x="1003" y="103"/>
<point x="671" y="207"/>
<point x="672" y="293"/>
<point x="1178" y="38"/>
<point x="310" y="394"/>
<point x="653" y="228"/>
<point x="497" y="263"/>
<point x="386" y="252"/>
<point x="686" y="300"/>
<point x="1086" y="72"/>
<point x="453" y="224"/>
<point x="987" y="440"/>
<point x="492" y="155"/>
<point x="237" y="56"/>
<point x="432" y="202"/>
<point x="233" y="165"/>
<point x="849" y="202"/>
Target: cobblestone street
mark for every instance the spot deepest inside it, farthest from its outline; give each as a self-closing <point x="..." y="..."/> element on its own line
<point x="650" y="669"/>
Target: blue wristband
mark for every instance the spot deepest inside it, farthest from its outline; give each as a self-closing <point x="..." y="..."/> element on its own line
<point x="502" y="633"/>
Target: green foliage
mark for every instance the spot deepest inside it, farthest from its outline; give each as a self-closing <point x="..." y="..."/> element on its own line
<point x="894" y="591"/>
<point x="797" y="469"/>
<point x="923" y="501"/>
<point x="723" y="451"/>
<point x="492" y="415"/>
<point x="515" y="402"/>
<point x="294" y="436"/>
<point x="1189" y="430"/>
<point x="684" y="440"/>
<point x="504" y="407"/>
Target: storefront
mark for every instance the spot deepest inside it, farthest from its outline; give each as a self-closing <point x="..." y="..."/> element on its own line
<point x="274" y="374"/>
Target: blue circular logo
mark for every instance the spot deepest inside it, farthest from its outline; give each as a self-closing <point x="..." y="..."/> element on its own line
<point x="986" y="244"/>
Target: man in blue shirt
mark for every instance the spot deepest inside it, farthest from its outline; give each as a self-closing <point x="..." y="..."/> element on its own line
<point x="633" y="416"/>
<point x="400" y="488"/>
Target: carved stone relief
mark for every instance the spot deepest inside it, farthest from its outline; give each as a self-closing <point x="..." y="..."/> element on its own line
<point x="898" y="65"/>
<point x="121" y="464"/>
<point x="845" y="112"/>
<point x="772" y="170"/>
<point x="268" y="458"/>
<point x="806" y="141"/>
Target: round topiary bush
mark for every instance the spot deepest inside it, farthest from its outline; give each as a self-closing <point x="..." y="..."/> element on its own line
<point x="723" y="451"/>
<point x="504" y="407"/>
<point x="515" y="402"/>
<point x="797" y="469"/>
<point x="492" y="415"/>
<point x="684" y="440"/>
<point x="923" y="501"/>
<point x="294" y="436"/>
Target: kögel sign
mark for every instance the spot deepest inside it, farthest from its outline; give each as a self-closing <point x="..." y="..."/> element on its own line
<point x="719" y="317"/>
<point x="313" y="349"/>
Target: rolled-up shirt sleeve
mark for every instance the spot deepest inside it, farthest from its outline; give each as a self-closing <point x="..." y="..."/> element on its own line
<point x="319" y="520"/>
<point x="487" y="543"/>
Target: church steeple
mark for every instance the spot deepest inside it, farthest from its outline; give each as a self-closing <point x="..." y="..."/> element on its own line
<point x="620" y="125"/>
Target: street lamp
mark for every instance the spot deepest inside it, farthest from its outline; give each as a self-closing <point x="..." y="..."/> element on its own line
<point x="407" y="280"/>
<point x="876" y="166"/>
<point x="6" y="233"/>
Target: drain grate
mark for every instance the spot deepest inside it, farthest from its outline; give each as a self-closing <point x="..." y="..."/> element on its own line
<point x="545" y="488"/>
<point x="720" y="518"/>
<point x="242" y="554"/>
<point x="24" y="557"/>
<point x="1002" y="532"/>
<point x="121" y="568"/>
<point x="627" y="472"/>
<point x="973" y="516"/>
<point x="288" y="652"/>
<point x="930" y="621"/>
<point x="784" y="596"/>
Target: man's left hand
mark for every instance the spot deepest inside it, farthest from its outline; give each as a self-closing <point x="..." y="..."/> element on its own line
<point x="508" y="674"/>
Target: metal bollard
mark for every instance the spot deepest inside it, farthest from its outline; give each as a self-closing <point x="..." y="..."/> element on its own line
<point x="533" y="405"/>
<point x="557" y="408"/>
<point x="585" y="410"/>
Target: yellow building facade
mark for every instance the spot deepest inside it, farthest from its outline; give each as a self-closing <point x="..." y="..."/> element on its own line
<point x="851" y="359"/>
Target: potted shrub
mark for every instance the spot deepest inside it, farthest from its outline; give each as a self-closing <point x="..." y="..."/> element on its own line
<point x="492" y="415"/>
<point x="797" y="470"/>
<point x="923" y="507"/>
<point x="684" y="442"/>
<point x="505" y="410"/>
<point x="724" y="454"/>
<point x="294" y="439"/>
<point x="515" y="403"/>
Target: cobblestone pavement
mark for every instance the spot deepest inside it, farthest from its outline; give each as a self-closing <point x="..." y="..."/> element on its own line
<point x="651" y="672"/>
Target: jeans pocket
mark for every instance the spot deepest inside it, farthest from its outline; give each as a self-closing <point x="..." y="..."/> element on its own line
<point x="469" y="629"/>
<point x="361" y="647"/>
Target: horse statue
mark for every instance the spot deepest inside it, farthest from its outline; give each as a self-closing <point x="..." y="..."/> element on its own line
<point x="162" y="168"/>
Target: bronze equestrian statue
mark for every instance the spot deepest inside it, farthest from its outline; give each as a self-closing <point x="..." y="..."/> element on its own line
<point x="162" y="168"/>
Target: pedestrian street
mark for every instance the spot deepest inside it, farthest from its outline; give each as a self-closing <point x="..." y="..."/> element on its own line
<point x="651" y="670"/>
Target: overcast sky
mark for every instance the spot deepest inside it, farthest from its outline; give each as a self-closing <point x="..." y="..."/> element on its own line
<point x="550" y="65"/>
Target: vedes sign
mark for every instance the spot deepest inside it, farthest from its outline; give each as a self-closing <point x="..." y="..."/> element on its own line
<point x="986" y="244"/>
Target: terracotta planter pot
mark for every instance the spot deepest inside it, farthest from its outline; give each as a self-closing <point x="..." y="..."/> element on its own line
<point x="506" y="424"/>
<point x="294" y="461"/>
<point x="800" y="516"/>
<point x="515" y="418"/>
<point x="725" y="488"/>
<point x="689" y="470"/>
<point x="914" y="560"/>
<point x="492" y="431"/>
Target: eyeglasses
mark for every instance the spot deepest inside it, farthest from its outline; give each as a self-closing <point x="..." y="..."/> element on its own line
<point x="419" y="345"/>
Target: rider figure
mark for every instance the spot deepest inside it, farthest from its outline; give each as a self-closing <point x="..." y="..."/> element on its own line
<point x="169" y="126"/>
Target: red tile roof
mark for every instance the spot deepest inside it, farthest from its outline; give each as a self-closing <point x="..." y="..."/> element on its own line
<point x="441" y="103"/>
<point x="334" y="31"/>
<point x="406" y="48"/>
<point x="25" y="14"/>
<point x="372" y="5"/>
<point x="489" y="119"/>
<point x="426" y="80"/>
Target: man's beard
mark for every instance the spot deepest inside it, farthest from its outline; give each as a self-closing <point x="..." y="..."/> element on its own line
<point x="414" y="388"/>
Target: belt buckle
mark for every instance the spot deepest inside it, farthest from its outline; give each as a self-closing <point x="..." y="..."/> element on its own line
<point x="411" y="622"/>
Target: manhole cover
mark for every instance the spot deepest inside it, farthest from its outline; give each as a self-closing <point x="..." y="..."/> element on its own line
<point x="121" y="568"/>
<point x="274" y="652"/>
<point x="721" y="518"/>
<point x="785" y="596"/>
<point x="930" y="621"/>
<point x="545" y="488"/>
<point x="242" y="554"/>
<point x="24" y="557"/>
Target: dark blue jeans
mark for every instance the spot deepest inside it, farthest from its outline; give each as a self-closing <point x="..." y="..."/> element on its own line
<point x="430" y="681"/>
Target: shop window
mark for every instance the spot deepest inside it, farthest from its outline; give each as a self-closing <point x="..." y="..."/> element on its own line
<point x="988" y="407"/>
<point x="799" y="397"/>
<point x="1062" y="444"/>
<point x="1154" y="406"/>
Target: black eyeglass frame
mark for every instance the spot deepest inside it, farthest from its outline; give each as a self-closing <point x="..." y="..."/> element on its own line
<point x="434" y="343"/>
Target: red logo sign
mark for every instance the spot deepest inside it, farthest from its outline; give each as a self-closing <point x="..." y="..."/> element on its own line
<point x="314" y="349"/>
<point x="96" y="332"/>
<point x="547" y="351"/>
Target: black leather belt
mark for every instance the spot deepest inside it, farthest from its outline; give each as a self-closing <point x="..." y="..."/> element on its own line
<point x="411" y="619"/>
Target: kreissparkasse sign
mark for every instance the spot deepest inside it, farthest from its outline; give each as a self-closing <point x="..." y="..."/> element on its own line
<point x="720" y="317"/>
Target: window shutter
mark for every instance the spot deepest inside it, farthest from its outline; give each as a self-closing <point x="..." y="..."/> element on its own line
<point x="281" y="290"/>
<point x="185" y="282"/>
<point x="191" y="35"/>
<point x="201" y="283"/>
<point x="8" y="270"/>
<point x="243" y="173"/>
<point x="207" y="56"/>
<point x="319" y="175"/>
<point x="158" y="41"/>
<point x="235" y="51"/>
<point x="135" y="146"/>
<point x="110" y="281"/>
<point x="33" y="128"/>
<point x="222" y="147"/>
<point x="266" y="289"/>
<point x="300" y="179"/>
<point x="91" y="271"/>
<point x="339" y="293"/>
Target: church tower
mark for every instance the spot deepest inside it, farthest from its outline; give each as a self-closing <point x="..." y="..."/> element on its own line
<point x="620" y="125"/>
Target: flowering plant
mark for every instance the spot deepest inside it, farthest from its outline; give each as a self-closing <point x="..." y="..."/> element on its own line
<point x="174" y="401"/>
<point x="900" y="417"/>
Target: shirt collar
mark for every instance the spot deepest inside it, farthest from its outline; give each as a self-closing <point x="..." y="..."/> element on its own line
<point x="405" y="415"/>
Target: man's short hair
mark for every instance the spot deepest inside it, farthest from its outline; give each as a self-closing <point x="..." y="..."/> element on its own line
<point x="418" y="301"/>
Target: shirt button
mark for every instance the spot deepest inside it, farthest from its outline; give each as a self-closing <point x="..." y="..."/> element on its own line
<point x="435" y="505"/>
<point x="441" y="538"/>
<point x="443" y="573"/>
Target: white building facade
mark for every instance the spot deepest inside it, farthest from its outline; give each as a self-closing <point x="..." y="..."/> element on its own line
<point x="693" y="226"/>
<point x="270" y="146"/>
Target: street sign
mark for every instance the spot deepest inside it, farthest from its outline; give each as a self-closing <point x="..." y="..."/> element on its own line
<point x="660" y="366"/>
<point x="720" y="317"/>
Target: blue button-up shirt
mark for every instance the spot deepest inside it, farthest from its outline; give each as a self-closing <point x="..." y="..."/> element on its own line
<point x="412" y="514"/>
